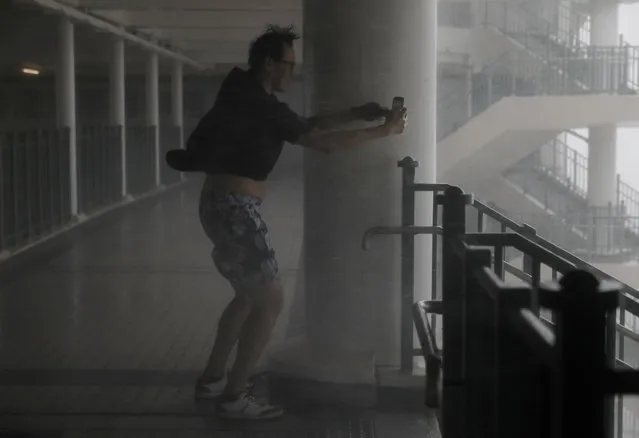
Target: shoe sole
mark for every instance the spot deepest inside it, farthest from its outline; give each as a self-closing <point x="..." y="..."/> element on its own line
<point x="238" y="416"/>
<point x="214" y="396"/>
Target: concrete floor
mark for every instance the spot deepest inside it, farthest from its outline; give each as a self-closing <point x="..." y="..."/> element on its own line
<point x="103" y="331"/>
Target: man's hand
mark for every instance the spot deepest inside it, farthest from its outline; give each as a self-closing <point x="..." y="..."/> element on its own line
<point x="370" y="112"/>
<point x="396" y="121"/>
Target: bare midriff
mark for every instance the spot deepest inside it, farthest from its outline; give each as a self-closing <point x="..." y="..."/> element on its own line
<point x="239" y="185"/>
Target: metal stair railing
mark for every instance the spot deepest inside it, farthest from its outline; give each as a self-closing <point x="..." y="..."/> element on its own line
<point x="576" y="69"/>
<point x="611" y="69"/>
<point x="511" y="74"/>
<point x="526" y="23"/>
<point x="571" y="170"/>
<point x="538" y="255"/>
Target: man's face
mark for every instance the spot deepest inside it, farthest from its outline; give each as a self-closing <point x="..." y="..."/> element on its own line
<point x="282" y="70"/>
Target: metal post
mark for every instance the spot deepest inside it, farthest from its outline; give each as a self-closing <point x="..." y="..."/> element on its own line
<point x="581" y="346"/>
<point x="408" y="166"/>
<point x="532" y="268"/>
<point x="454" y="203"/>
<point x="480" y="350"/>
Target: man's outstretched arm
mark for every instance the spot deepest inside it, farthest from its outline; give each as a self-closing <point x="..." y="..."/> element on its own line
<point x="333" y="120"/>
<point x="368" y="112"/>
<point x="330" y="141"/>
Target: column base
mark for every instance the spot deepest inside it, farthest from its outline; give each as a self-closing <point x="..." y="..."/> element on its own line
<point x="302" y="370"/>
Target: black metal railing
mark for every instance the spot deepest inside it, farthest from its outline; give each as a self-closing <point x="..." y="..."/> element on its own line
<point x="141" y="158"/>
<point x="534" y="311"/>
<point x="34" y="185"/>
<point x="99" y="150"/>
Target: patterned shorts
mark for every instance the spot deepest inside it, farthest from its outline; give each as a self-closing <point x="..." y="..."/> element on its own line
<point x="242" y="251"/>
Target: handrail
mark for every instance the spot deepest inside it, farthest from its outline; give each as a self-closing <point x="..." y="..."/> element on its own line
<point x="524" y="229"/>
<point x="551" y="247"/>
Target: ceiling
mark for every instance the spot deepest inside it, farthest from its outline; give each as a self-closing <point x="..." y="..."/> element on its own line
<point x="214" y="33"/>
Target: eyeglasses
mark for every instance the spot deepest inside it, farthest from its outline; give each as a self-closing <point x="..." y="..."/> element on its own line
<point x="291" y="64"/>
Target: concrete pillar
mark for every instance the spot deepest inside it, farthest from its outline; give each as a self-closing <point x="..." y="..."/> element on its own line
<point x="602" y="185"/>
<point x="177" y="101"/>
<point x="602" y="165"/>
<point x="469" y="90"/>
<point x="362" y="51"/>
<point x="65" y="81"/>
<point x="604" y="23"/>
<point x="153" y="106"/>
<point x="604" y="30"/>
<point x="602" y="150"/>
<point x="118" y="101"/>
<point x="177" y="94"/>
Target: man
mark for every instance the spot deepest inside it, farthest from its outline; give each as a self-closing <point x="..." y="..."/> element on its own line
<point x="237" y="143"/>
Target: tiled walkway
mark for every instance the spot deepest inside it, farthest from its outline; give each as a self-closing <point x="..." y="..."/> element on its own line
<point x="106" y="337"/>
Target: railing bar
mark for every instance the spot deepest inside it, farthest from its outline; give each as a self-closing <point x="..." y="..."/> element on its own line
<point x="423" y="187"/>
<point x="535" y="333"/>
<point x="521" y="275"/>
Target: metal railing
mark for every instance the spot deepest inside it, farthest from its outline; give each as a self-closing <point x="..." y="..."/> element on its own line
<point x="507" y="371"/>
<point x="34" y="185"/>
<point x="568" y="168"/>
<point x="603" y="69"/>
<point x="528" y="25"/>
<point x="515" y="73"/>
<point x="457" y="14"/>
<point x="141" y="160"/>
<point x="556" y="62"/>
<point x="541" y="260"/>
<point x="99" y="150"/>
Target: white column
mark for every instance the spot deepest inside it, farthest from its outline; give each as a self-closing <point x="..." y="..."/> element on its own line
<point x="66" y="101"/>
<point x="118" y="101"/>
<point x="177" y="94"/>
<point x="153" y="106"/>
<point x="603" y="139"/>
<point x="602" y="165"/>
<point x="362" y="51"/>
<point x="469" y="90"/>
<point x="604" y="23"/>
<point x="177" y="100"/>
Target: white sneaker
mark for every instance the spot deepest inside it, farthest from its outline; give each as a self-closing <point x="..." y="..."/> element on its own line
<point x="246" y="407"/>
<point x="209" y="391"/>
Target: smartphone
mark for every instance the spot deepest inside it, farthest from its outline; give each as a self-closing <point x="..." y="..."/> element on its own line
<point x="398" y="102"/>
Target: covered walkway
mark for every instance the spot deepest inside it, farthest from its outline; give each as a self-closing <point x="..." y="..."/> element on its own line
<point x="104" y="329"/>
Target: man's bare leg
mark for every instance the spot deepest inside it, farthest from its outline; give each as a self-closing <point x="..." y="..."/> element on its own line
<point x="228" y="332"/>
<point x="267" y="305"/>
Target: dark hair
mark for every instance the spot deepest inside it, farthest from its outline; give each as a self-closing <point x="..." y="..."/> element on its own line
<point x="271" y="45"/>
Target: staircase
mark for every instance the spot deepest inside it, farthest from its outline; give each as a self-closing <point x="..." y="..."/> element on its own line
<point x="556" y="178"/>
<point x="528" y="96"/>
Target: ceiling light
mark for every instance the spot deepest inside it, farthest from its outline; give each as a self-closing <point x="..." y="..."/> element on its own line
<point x="30" y="71"/>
